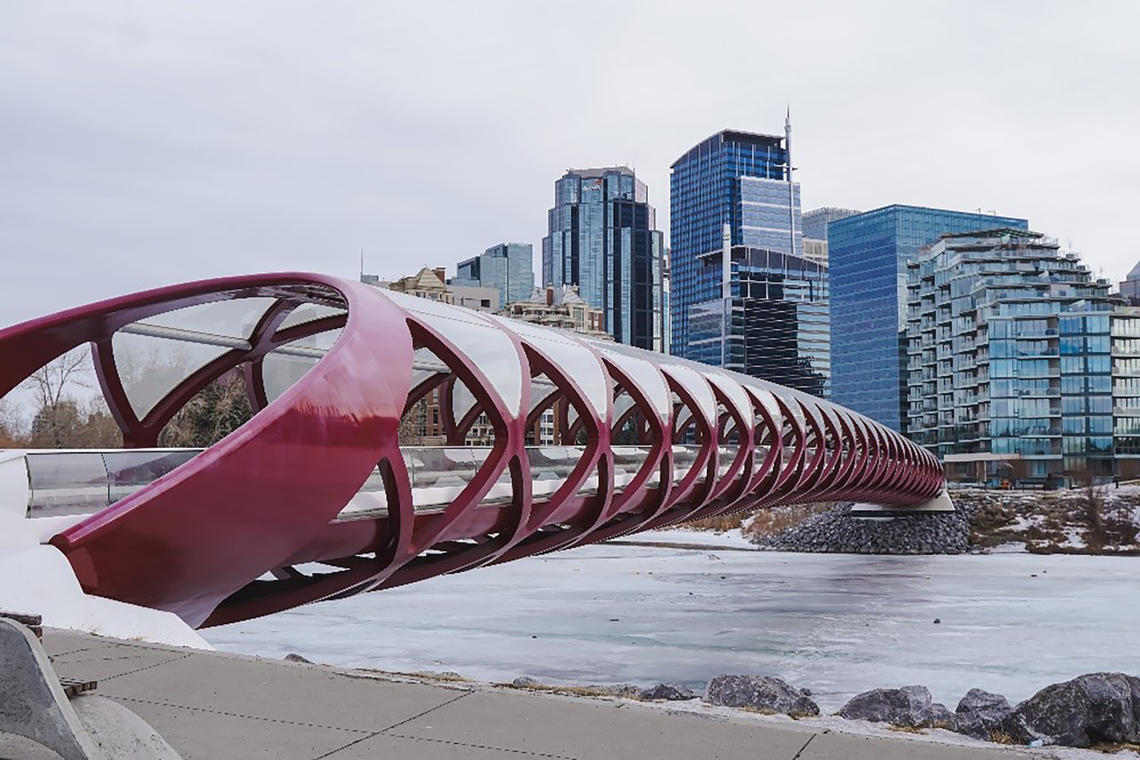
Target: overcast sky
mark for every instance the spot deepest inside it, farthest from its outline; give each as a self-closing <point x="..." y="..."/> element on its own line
<point x="146" y="143"/>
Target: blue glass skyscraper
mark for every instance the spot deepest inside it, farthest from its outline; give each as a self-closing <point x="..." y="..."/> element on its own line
<point x="868" y="255"/>
<point x="734" y="178"/>
<point x="603" y="237"/>
<point x="509" y="267"/>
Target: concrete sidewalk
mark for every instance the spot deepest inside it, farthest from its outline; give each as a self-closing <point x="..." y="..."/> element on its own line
<point x="215" y="706"/>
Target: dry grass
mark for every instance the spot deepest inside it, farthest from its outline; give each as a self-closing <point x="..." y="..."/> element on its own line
<point x="418" y="674"/>
<point x="447" y="677"/>
<point x="1000" y="737"/>
<point x="575" y="691"/>
<point x="761" y="523"/>
<point x="1112" y="749"/>
<point x="1046" y="522"/>
<point x="906" y="729"/>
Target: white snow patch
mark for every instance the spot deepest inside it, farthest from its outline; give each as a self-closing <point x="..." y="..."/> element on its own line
<point x="733" y="538"/>
<point x="1010" y="547"/>
<point x="1073" y="538"/>
<point x="1022" y="523"/>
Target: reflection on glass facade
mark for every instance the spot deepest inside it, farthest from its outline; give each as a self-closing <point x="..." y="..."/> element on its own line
<point x="817" y="220"/>
<point x="867" y="255"/>
<point x="508" y="267"/>
<point x="777" y="325"/>
<point x="603" y="237"/>
<point x="734" y="178"/>
<point x="1020" y="365"/>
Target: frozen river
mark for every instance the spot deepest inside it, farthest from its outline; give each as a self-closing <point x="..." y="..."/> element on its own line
<point x="837" y="624"/>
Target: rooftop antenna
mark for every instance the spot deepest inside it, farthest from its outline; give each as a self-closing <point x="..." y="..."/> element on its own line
<point x="791" y="185"/>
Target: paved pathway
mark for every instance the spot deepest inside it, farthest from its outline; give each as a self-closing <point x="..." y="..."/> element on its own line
<point x="218" y="706"/>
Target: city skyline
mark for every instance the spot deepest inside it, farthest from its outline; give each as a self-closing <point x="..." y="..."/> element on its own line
<point x="161" y="146"/>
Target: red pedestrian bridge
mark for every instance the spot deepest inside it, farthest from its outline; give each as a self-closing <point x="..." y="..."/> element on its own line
<point x="315" y="497"/>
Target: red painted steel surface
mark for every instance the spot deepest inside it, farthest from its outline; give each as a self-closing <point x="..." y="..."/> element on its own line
<point x="219" y="539"/>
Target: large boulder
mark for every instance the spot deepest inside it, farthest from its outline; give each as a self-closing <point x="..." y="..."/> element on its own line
<point x="907" y="706"/>
<point x="669" y="692"/>
<point x="979" y="713"/>
<point x="1093" y="708"/>
<point x="763" y="693"/>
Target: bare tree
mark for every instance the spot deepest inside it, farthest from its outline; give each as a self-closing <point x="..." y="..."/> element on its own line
<point x="11" y="427"/>
<point x="56" y="411"/>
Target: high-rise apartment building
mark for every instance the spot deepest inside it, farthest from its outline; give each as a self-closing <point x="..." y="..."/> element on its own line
<point x="867" y="258"/>
<point x="508" y="267"/>
<point x="1021" y="366"/>
<point x="732" y="178"/>
<point x="603" y="238"/>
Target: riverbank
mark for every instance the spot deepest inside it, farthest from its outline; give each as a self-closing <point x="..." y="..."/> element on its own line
<point x="1101" y="521"/>
<point x="840" y="624"/>
<point x="1098" y="521"/>
<point x="220" y="706"/>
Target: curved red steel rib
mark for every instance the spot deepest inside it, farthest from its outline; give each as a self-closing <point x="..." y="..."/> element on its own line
<point x="219" y="538"/>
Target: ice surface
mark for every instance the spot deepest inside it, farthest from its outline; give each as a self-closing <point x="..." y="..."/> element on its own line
<point x="837" y="624"/>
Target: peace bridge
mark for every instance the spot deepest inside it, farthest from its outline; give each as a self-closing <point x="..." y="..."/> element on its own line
<point x="315" y="497"/>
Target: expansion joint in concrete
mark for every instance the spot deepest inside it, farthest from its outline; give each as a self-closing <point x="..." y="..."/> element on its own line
<point x="425" y="712"/>
<point x="800" y="752"/>
<point x="146" y="667"/>
<point x="242" y="716"/>
<point x="467" y="745"/>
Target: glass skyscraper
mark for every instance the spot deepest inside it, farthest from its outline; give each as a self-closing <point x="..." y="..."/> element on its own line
<point x="734" y="178"/>
<point x="602" y="237"/>
<point x="867" y="258"/>
<point x="1021" y="365"/>
<point x="509" y="267"/>
<point x="774" y="326"/>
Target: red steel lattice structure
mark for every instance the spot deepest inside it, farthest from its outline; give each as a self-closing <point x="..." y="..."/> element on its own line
<point x="318" y="474"/>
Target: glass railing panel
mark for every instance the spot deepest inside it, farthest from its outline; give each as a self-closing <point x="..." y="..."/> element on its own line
<point x="628" y="461"/>
<point x="128" y="471"/>
<point x="370" y="501"/>
<point x="684" y="456"/>
<point x="550" y="466"/>
<point x="66" y="483"/>
<point x="439" y="474"/>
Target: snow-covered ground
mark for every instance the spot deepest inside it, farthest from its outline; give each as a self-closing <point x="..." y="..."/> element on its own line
<point x="730" y="539"/>
<point x="837" y="624"/>
<point x="1056" y="521"/>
